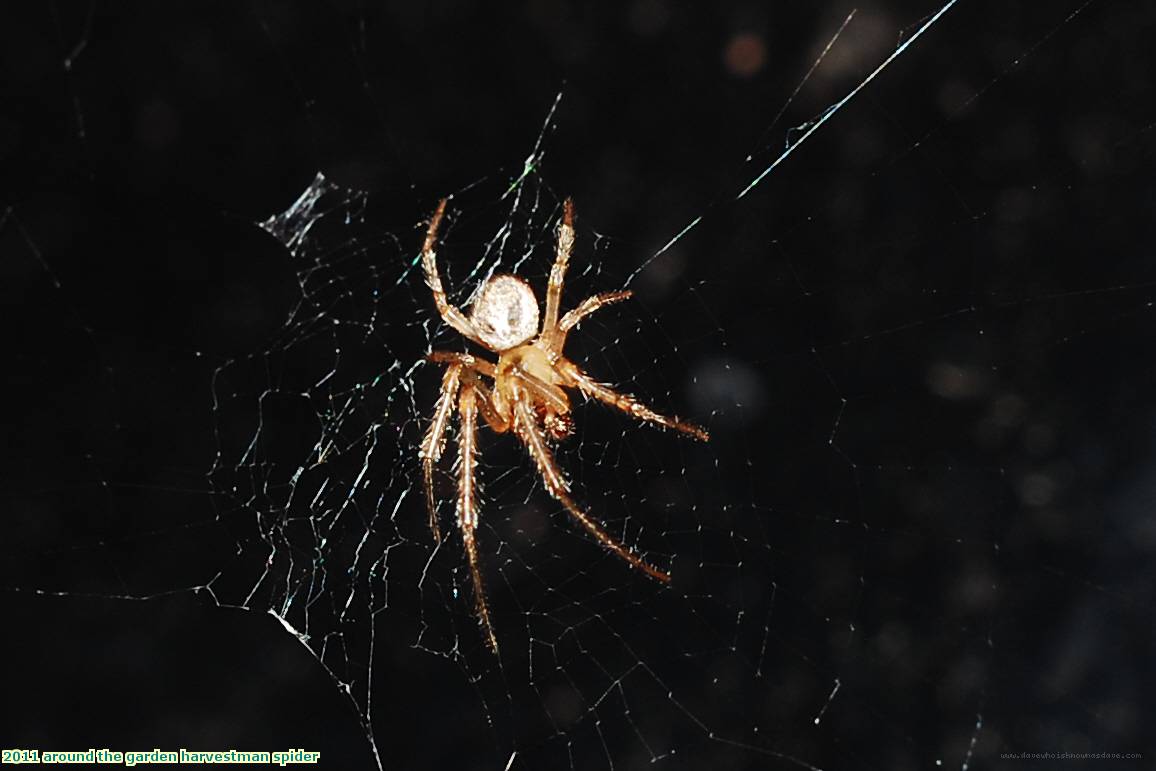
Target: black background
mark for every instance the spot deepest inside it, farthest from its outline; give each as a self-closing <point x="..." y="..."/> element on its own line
<point x="938" y="310"/>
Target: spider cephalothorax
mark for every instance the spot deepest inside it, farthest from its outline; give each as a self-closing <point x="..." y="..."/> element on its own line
<point x="526" y="394"/>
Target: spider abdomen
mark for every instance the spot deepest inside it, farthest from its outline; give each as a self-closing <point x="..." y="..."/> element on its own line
<point x="505" y="313"/>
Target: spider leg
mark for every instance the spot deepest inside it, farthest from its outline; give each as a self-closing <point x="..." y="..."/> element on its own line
<point x="558" y="272"/>
<point x="468" y="504"/>
<point x="625" y="402"/>
<point x="559" y="488"/>
<point x="552" y="395"/>
<point x="435" y="440"/>
<point x="497" y="423"/>
<point x="468" y="360"/>
<point x="585" y="308"/>
<point x="450" y="313"/>
<point x="474" y="367"/>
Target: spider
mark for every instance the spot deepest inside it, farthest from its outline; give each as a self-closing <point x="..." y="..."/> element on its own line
<point x="526" y="396"/>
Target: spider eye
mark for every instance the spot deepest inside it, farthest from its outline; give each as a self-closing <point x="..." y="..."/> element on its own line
<point x="506" y="312"/>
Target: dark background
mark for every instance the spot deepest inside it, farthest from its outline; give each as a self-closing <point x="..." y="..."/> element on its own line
<point x="937" y="315"/>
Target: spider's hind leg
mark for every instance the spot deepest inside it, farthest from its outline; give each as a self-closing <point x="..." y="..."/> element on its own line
<point x="468" y="504"/>
<point x="556" y="484"/>
<point x="435" y="440"/>
<point x="625" y="402"/>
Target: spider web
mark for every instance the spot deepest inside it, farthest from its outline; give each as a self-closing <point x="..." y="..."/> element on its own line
<point x="334" y="503"/>
<point x="887" y="494"/>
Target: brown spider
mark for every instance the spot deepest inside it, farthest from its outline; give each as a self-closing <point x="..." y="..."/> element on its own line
<point x="527" y="394"/>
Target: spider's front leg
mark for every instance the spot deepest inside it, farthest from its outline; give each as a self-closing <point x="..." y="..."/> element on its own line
<point x="449" y="312"/>
<point x="558" y="271"/>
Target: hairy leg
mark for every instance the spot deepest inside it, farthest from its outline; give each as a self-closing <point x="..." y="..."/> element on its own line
<point x="465" y="359"/>
<point x="435" y="439"/>
<point x="584" y="309"/>
<point x="475" y="366"/>
<point x="558" y="272"/>
<point x="498" y="423"/>
<point x="559" y="488"/>
<point x="550" y="395"/>
<point x="468" y="505"/>
<point x="450" y="313"/>
<point x="625" y="402"/>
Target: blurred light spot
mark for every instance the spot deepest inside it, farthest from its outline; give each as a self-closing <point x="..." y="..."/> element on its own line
<point x="862" y="145"/>
<point x="157" y="125"/>
<point x="967" y="676"/>
<point x="648" y="17"/>
<point x="1037" y="489"/>
<point x="1007" y="410"/>
<point x="1017" y="140"/>
<point x="527" y="524"/>
<point x="892" y="641"/>
<point x="954" y="97"/>
<point x="564" y="705"/>
<point x="1142" y="531"/>
<point x="976" y="589"/>
<point x="745" y="54"/>
<point x="660" y="275"/>
<point x="953" y="381"/>
<point x="668" y="492"/>
<point x="1013" y="205"/>
<point x="1089" y="142"/>
<point x="729" y="390"/>
<point x="1040" y="439"/>
<point x="1121" y="715"/>
<point x="862" y="45"/>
